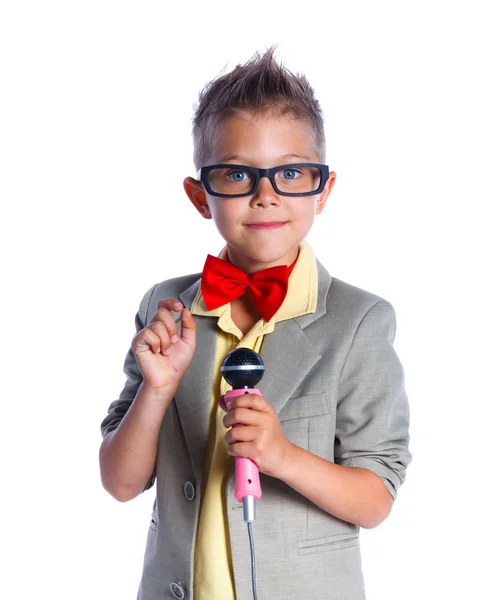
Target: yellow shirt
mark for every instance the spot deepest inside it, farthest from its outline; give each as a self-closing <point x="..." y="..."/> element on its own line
<point x="213" y="572"/>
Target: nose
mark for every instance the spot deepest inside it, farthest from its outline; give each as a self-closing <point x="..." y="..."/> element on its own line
<point x="265" y="195"/>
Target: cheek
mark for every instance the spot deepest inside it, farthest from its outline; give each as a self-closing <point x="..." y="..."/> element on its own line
<point x="227" y="210"/>
<point x="305" y="216"/>
<point x="225" y="216"/>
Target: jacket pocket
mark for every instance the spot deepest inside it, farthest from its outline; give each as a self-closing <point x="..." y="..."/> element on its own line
<point x="327" y="544"/>
<point x="302" y="407"/>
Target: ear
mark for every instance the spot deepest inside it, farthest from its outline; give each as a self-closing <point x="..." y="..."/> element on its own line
<point x="323" y="197"/>
<point x="195" y="191"/>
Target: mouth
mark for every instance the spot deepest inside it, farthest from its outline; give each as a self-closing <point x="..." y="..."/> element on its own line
<point x="266" y="225"/>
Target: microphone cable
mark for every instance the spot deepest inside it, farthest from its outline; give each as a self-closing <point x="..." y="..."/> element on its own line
<point x="252" y="557"/>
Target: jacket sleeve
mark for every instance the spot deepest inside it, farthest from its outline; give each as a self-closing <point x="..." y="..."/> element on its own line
<point x="119" y="407"/>
<point x="372" y="429"/>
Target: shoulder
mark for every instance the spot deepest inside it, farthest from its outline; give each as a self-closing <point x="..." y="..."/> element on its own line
<point x="349" y="303"/>
<point x="169" y="288"/>
<point x="175" y="286"/>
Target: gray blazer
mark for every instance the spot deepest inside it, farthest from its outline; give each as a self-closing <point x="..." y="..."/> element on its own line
<point x="338" y="388"/>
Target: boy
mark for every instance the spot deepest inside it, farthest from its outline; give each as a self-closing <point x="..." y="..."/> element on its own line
<point x="330" y="432"/>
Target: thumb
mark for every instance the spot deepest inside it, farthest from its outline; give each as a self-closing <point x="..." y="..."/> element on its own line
<point x="188" y="327"/>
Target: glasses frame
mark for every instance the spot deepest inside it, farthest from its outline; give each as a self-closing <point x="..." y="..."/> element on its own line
<point x="203" y="173"/>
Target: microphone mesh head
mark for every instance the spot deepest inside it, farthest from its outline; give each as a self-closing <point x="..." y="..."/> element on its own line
<point x="242" y="368"/>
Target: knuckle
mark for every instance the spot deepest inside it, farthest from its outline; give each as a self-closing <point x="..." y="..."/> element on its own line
<point x="142" y="335"/>
<point x="163" y="313"/>
<point x="161" y="333"/>
<point x="154" y="325"/>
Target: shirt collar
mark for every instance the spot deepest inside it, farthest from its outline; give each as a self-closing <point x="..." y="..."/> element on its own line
<point x="301" y="298"/>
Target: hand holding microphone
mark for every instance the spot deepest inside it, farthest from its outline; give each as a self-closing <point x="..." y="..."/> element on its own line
<point x="242" y="368"/>
<point x="261" y="443"/>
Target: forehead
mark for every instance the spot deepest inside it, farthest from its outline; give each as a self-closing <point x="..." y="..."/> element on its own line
<point x="263" y="141"/>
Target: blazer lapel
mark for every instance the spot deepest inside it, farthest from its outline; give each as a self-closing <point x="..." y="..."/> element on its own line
<point x="288" y="356"/>
<point x="193" y="397"/>
<point x="287" y="352"/>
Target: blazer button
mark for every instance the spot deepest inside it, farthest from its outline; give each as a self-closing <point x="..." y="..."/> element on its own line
<point x="177" y="590"/>
<point x="189" y="491"/>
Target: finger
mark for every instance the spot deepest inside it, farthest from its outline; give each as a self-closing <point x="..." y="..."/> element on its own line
<point x="159" y="328"/>
<point x="240" y="434"/>
<point x="170" y="304"/>
<point x="146" y="340"/>
<point x="242" y="416"/>
<point x="244" y="449"/>
<point x="163" y="315"/>
<point x="188" y="327"/>
<point x="252" y="401"/>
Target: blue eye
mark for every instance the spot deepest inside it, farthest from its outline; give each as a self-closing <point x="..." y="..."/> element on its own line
<point x="289" y="173"/>
<point x="237" y="175"/>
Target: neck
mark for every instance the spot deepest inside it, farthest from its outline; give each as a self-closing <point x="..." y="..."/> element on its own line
<point x="244" y="313"/>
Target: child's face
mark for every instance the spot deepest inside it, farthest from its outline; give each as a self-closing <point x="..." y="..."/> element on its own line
<point x="264" y="229"/>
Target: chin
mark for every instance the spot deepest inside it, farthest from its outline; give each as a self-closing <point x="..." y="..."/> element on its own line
<point x="272" y="255"/>
<point x="264" y="251"/>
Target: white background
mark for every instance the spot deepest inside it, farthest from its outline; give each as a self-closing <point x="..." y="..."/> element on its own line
<point x="96" y="101"/>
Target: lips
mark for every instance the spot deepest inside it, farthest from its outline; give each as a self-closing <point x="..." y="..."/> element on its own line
<point x="266" y="225"/>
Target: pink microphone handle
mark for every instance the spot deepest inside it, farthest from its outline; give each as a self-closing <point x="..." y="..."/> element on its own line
<point x="247" y="481"/>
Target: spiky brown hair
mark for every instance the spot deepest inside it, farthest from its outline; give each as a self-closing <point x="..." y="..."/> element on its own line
<point x="260" y="86"/>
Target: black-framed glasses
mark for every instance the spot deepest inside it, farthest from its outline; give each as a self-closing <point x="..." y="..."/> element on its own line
<point x="297" y="179"/>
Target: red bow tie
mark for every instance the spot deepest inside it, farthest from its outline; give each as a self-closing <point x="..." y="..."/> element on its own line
<point x="223" y="282"/>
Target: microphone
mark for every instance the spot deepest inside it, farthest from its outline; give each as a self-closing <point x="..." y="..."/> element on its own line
<point x="243" y="368"/>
